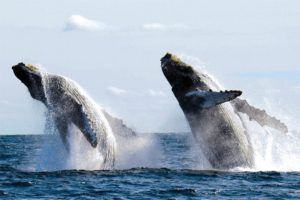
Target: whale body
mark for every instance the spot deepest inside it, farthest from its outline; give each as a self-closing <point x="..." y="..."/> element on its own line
<point x="67" y="104"/>
<point x="213" y="115"/>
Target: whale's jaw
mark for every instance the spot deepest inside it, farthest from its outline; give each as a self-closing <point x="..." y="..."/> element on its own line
<point x="31" y="77"/>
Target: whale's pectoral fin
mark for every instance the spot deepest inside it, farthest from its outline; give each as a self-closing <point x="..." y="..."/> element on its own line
<point x="81" y="120"/>
<point x="207" y="99"/>
<point x="260" y="116"/>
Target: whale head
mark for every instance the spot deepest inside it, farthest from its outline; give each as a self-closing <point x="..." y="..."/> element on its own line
<point x="31" y="76"/>
<point x="181" y="76"/>
<point x="193" y="88"/>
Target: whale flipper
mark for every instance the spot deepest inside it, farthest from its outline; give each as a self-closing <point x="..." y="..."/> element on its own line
<point x="260" y="116"/>
<point x="85" y="125"/>
<point x="207" y="99"/>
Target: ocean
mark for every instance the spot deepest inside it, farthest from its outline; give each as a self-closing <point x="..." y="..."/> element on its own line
<point x="169" y="169"/>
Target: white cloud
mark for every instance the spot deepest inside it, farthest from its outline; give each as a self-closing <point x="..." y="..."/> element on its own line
<point x="116" y="91"/>
<point x="78" y="22"/>
<point x="164" y="27"/>
<point x="155" y="93"/>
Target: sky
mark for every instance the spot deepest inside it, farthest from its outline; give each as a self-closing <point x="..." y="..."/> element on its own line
<point x="112" y="48"/>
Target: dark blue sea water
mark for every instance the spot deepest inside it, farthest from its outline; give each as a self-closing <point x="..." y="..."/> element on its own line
<point x="20" y="180"/>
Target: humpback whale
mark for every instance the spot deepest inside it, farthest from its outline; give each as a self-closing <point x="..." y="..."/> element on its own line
<point x="213" y="115"/>
<point x="67" y="104"/>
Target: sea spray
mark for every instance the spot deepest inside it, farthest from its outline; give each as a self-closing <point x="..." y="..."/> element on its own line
<point x="134" y="152"/>
<point x="199" y="161"/>
<point x="273" y="150"/>
<point x="81" y="154"/>
<point x="141" y="151"/>
<point x="198" y="65"/>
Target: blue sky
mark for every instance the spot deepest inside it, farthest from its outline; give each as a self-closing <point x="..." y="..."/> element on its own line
<point x="112" y="49"/>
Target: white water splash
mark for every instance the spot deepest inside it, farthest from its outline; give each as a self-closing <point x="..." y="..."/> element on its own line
<point x="273" y="150"/>
<point x="81" y="154"/>
<point x="199" y="66"/>
<point x="54" y="155"/>
<point x="140" y="151"/>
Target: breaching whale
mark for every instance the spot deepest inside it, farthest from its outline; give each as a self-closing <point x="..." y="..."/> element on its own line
<point x="214" y="123"/>
<point x="67" y="104"/>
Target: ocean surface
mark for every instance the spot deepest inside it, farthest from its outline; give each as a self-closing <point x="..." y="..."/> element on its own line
<point x="168" y="170"/>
